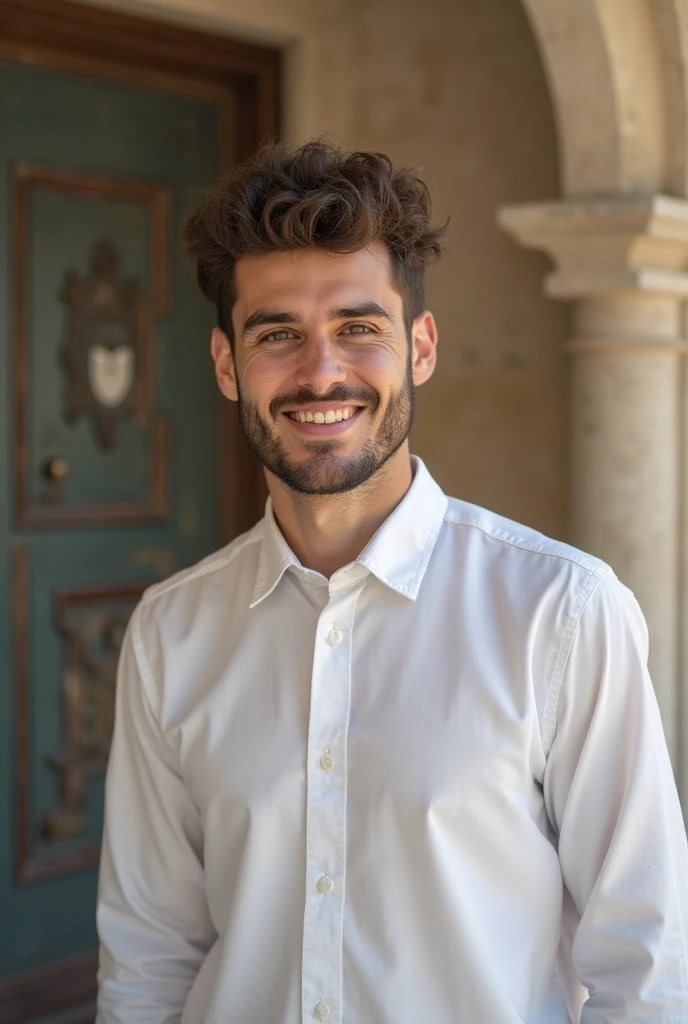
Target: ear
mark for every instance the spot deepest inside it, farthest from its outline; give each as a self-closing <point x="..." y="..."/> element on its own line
<point x="423" y="347"/>
<point x="225" y="370"/>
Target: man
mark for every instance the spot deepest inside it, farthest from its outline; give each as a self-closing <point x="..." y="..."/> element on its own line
<point x="388" y="758"/>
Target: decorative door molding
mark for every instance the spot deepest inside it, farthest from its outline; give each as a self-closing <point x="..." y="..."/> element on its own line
<point x="87" y="710"/>
<point x="155" y="507"/>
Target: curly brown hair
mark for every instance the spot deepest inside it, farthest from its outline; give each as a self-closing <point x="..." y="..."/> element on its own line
<point x="317" y="196"/>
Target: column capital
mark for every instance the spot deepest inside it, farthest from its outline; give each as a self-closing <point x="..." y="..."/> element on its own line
<point x="607" y="245"/>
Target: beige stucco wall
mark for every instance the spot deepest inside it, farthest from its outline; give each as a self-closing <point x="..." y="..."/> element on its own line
<point x="459" y="88"/>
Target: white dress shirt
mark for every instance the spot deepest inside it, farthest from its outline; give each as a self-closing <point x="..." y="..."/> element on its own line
<point x="433" y="789"/>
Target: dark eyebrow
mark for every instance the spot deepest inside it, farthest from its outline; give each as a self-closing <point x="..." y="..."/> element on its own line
<point x="266" y="316"/>
<point x="354" y="312"/>
<point x="263" y="317"/>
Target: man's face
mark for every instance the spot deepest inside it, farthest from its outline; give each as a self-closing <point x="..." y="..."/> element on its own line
<point x="323" y="370"/>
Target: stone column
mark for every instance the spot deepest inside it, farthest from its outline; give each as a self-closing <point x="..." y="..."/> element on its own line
<point x="623" y="263"/>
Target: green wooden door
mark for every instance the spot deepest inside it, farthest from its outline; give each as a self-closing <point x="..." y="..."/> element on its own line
<point x="107" y="462"/>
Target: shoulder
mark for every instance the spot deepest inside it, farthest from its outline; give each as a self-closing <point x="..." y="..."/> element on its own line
<point x="224" y="568"/>
<point x="541" y="579"/>
<point x="474" y="524"/>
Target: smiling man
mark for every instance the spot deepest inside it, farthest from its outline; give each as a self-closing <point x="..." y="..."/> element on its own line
<point x="389" y="757"/>
<point x="359" y="361"/>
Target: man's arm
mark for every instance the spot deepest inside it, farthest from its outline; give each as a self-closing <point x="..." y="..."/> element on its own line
<point x="153" y="918"/>
<point x="611" y="796"/>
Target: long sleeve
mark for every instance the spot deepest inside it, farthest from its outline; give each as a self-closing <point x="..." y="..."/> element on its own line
<point x="612" y="800"/>
<point x="153" y="919"/>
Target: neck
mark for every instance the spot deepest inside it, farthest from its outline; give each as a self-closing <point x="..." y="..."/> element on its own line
<point x="327" y="531"/>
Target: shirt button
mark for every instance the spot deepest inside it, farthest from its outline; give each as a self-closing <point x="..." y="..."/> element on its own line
<point x="327" y="762"/>
<point x="321" y="1010"/>
<point x="335" y="637"/>
<point x="325" y="886"/>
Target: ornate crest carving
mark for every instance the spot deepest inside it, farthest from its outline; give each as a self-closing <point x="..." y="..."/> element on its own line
<point x="103" y="347"/>
<point x="92" y="650"/>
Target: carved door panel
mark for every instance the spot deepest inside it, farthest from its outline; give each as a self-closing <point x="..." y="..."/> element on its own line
<point x="108" y="445"/>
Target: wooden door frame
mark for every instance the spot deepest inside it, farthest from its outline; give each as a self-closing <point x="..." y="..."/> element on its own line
<point x="244" y="79"/>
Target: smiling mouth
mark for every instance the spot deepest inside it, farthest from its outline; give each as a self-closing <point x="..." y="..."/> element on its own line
<point x="324" y="422"/>
<point x="338" y="415"/>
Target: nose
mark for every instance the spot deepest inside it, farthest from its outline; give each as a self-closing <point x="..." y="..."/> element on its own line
<point x="320" y="366"/>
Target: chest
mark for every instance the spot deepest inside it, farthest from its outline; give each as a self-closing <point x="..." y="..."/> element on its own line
<point x="420" y="711"/>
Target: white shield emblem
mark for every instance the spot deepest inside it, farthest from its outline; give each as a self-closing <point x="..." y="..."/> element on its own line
<point x="110" y="373"/>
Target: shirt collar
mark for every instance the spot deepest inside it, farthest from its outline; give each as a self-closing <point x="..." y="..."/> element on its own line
<point x="398" y="554"/>
<point x="275" y="557"/>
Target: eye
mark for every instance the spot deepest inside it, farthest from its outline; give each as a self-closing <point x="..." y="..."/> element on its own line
<point x="280" y="335"/>
<point x="358" y="329"/>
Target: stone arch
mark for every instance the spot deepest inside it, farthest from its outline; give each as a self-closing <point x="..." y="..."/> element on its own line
<point x="618" y="79"/>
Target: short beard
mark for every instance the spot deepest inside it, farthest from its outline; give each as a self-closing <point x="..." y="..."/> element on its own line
<point x="326" y="473"/>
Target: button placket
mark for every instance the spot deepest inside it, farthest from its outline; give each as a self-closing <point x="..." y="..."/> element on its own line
<point x="326" y="809"/>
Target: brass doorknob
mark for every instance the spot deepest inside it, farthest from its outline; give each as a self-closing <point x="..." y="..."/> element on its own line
<point x="56" y="469"/>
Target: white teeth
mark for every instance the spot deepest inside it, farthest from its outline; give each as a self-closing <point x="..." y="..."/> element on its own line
<point x="331" y="416"/>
